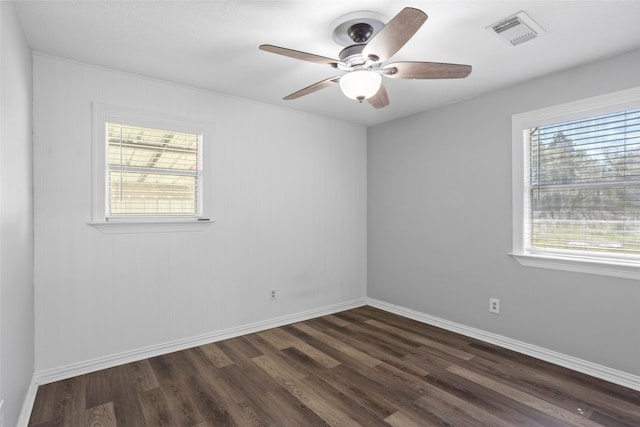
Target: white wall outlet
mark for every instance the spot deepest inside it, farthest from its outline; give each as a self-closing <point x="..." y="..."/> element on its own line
<point x="273" y="295"/>
<point x="494" y="305"/>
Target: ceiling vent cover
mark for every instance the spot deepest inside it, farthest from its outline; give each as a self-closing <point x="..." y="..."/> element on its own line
<point x="517" y="29"/>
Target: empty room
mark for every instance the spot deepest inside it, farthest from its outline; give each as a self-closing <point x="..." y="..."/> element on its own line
<point x="301" y="213"/>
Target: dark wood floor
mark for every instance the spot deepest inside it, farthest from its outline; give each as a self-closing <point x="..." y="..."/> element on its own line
<point x="361" y="367"/>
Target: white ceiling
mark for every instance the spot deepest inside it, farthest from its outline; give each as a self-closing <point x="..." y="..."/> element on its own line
<point x="214" y="45"/>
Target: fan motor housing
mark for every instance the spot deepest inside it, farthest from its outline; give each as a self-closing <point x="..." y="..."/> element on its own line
<point x="352" y="55"/>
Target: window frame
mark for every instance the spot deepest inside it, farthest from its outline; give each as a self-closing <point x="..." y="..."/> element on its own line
<point x="103" y="114"/>
<point x="520" y="123"/>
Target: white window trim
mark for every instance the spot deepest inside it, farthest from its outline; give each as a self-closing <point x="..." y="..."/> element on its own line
<point x="103" y="113"/>
<point x="617" y="101"/>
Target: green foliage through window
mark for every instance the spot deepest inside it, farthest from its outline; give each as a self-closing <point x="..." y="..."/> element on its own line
<point x="584" y="184"/>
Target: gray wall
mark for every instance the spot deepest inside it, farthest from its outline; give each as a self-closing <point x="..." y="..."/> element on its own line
<point x="439" y="225"/>
<point x="16" y="217"/>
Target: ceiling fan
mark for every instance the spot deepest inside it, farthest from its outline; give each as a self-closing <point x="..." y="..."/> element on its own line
<point x="364" y="61"/>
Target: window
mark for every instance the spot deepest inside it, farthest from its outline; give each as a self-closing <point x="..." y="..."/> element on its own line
<point x="147" y="169"/>
<point x="152" y="172"/>
<point x="577" y="186"/>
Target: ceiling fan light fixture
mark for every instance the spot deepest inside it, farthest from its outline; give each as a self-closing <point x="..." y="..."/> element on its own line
<point x="364" y="63"/>
<point x="360" y="84"/>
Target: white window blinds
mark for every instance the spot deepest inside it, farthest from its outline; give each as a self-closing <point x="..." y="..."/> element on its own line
<point x="584" y="186"/>
<point x="152" y="172"/>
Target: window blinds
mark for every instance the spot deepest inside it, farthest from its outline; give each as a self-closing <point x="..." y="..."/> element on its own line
<point x="152" y="172"/>
<point x="584" y="185"/>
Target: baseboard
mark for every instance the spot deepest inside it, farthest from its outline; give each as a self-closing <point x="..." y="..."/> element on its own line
<point x="81" y="368"/>
<point x="27" y="405"/>
<point x="579" y="365"/>
<point x="608" y="374"/>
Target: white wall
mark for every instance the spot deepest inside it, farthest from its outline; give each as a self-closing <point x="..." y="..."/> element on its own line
<point x="439" y="221"/>
<point x="288" y="195"/>
<point x="16" y="216"/>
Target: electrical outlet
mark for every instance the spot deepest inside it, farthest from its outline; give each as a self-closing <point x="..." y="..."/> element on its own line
<point x="273" y="295"/>
<point x="494" y="305"/>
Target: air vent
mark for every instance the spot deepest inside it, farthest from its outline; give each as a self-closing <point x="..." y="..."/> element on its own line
<point x="517" y="29"/>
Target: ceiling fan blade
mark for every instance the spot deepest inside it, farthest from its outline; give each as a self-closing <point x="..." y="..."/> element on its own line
<point x="314" y="87"/>
<point x="299" y="55"/>
<point x="426" y="70"/>
<point x="380" y="99"/>
<point x="395" y="34"/>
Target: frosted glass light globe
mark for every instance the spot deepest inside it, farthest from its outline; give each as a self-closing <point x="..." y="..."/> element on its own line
<point x="360" y="84"/>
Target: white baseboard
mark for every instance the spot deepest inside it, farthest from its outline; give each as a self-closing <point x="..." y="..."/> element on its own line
<point x="608" y="374"/>
<point x="81" y="368"/>
<point x="27" y="405"/>
<point x="57" y="374"/>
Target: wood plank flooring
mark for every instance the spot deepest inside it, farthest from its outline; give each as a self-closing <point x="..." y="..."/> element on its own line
<point x="362" y="367"/>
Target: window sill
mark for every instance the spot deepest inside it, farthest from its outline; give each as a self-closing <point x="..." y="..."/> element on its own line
<point x="150" y="227"/>
<point x="621" y="269"/>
